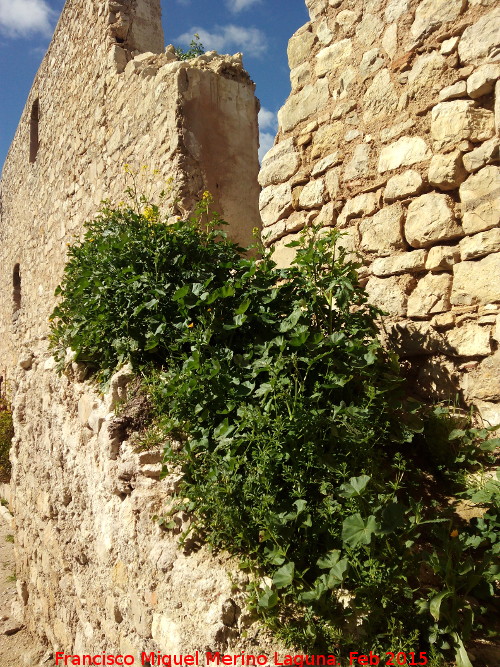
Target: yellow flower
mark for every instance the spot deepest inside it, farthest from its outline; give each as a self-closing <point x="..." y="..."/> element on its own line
<point x="190" y="326"/>
<point x="454" y="533"/>
<point x="149" y="213"/>
<point x="206" y="196"/>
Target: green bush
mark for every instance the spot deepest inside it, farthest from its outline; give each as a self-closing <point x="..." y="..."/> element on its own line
<point x="6" y="435"/>
<point x="301" y="453"/>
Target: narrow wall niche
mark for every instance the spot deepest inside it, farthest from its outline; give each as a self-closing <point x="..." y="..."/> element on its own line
<point x="34" y="142"/>
<point x="16" y="289"/>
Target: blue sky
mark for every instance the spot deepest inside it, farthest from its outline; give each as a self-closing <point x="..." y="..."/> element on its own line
<point x="258" y="28"/>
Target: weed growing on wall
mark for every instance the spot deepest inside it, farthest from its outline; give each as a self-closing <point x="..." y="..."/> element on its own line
<point x="6" y="435"/>
<point x="301" y="453"/>
<point x="195" y="49"/>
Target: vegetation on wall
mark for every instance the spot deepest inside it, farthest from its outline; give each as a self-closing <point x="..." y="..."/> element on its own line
<point x="301" y="453"/>
<point x="6" y="435"/>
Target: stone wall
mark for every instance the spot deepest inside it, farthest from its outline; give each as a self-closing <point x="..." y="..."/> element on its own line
<point x="103" y="98"/>
<point x="391" y="135"/>
<point x="95" y="572"/>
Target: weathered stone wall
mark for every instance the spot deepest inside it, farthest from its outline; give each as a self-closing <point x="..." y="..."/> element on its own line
<point x="95" y="572"/>
<point x="106" y="99"/>
<point x="391" y="134"/>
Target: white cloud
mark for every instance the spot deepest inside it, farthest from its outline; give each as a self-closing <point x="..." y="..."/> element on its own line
<point x="236" y="6"/>
<point x="266" y="140"/>
<point x="251" y="41"/>
<point x="268" y="120"/>
<point x="20" y="18"/>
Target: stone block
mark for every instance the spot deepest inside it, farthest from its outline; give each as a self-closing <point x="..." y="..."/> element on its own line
<point x="458" y="89"/>
<point x="473" y="282"/>
<point x="275" y="203"/>
<point x="300" y="76"/>
<point x="313" y="195"/>
<point x="442" y="258"/>
<point x="430" y="296"/>
<point x="469" y="340"/>
<point x="460" y="119"/>
<point x="371" y="62"/>
<point x="403" y="153"/>
<point x="482" y="81"/>
<point x="303" y="104"/>
<point x="412" y="338"/>
<point x="299" y="47"/>
<point x="431" y="220"/>
<point x="331" y="58"/>
<point x="480" y="197"/>
<point x="394" y="131"/>
<point x="484" y="381"/>
<point x="449" y="46"/>
<point x="447" y="172"/>
<point x="326" y="139"/>
<point x="401" y="186"/>
<point x="382" y="233"/>
<point x="279" y="164"/>
<point x="380" y="99"/>
<point x="487" y="153"/>
<point x="480" y="40"/>
<point x="481" y="244"/>
<point x="407" y="262"/>
<point x="390" y="294"/>
<point x="359" y="206"/>
<point x="322" y="165"/>
<point x="369" y="29"/>
<point x="431" y="14"/>
<point x="395" y="9"/>
<point x="390" y="40"/>
<point x="359" y="165"/>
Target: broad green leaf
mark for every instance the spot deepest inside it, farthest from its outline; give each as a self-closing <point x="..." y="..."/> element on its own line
<point x="336" y="574"/>
<point x="354" y="487"/>
<point x="284" y="576"/>
<point x="328" y="561"/>
<point x="435" y="604"/>
<point x="356" y="531"/>
<point x="460" y="653"/>
<point x="268" y="599"/>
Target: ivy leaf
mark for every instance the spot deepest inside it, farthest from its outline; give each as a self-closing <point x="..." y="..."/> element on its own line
<point x="284" y="576"/>
<point x="356" y="531"/>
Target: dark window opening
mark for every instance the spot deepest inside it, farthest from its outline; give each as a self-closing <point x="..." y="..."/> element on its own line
<point x="35" y="115"/>
<point x="16" y="288"/>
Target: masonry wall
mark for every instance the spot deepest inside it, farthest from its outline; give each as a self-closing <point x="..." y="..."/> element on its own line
<point x="95" y="572"/>
<point x="391" y="135"/>
<point x="106" y="95"/>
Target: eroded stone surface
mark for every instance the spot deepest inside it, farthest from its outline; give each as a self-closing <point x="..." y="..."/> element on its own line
<point x="480" y="40"/>
<point x="473" y="283"/>
<point x="390" y="294"/>
<point x="382" y="233"/>
<point x="480" y="197"/>
<point x="460" y="119"/>
<point x="431" y="220"/>
<point x="430" y="296"/>
<point x="403" y="153"/>
<point x="279" y="163"/>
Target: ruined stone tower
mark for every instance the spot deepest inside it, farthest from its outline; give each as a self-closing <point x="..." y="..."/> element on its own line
<point x="106" y="94"/>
